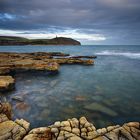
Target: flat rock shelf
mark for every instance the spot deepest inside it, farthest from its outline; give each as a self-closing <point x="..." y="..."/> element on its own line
<point x="40" y="61"/>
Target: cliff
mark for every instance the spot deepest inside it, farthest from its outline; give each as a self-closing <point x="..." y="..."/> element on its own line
<point x="11" y="40"/>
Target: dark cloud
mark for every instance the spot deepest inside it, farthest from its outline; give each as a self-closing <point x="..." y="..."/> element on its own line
<point x="115" y="19"/>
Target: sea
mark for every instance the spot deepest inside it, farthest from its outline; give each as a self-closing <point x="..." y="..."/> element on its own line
<point x="106" y="93"/>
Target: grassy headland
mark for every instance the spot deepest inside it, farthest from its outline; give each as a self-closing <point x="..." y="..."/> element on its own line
<point x="12" y="40"/>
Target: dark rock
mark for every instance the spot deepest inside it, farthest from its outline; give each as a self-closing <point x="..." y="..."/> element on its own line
<point x="4" y="70"/>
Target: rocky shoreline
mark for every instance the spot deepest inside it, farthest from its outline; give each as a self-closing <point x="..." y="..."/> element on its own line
<point x="71" y="129"/>
<point x="39" y="61"/>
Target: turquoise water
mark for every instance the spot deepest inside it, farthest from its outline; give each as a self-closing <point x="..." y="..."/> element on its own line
<point x="106" y="93"/>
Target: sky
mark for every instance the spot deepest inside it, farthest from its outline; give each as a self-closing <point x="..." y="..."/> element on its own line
<point x="99" y="22"/>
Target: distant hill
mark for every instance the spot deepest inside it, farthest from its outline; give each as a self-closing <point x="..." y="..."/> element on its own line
<point x="12" y="40"/>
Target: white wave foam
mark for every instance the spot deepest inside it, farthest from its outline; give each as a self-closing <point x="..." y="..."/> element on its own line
<point x="126" y="54"/>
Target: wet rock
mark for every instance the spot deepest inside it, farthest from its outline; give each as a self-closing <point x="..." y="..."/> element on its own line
<point x="102" y="131"/>
<point x="36" y="61"/>
<point x="74" y="61"/>
<point x="40" y="61"/>
<point x="80" y="98"/>
<point x="65" y="123"/>
<point x="5" y="108"/>
<point x="101" y="108"/>
<point x="4" y="70"/>
<point x="69" y="110"/>
<point x="22" y="106"/>
<point x="30" y="64"/>
<point x="44" y="114"/>
<point x="42" y="133"/>
<point x="83" y="120"/>
<point x="6" y="83"/>
<point x="76" y="131"/>
<point x="53" y="83"/>
<point x="87" y="124"/>
<point x="17" y="98"/>
<point x="57" y="124"/>
<point x="48" y="54"/>
<point x="66" y="128"/>
<point x="110" y="128"/>
<point x="54" y="130"/>
<point x="87" y="131"/>
<point x="3" y="118"/>
<point x="11" y="130"/>
<point x="23" y="124"/>
<point x="75" y="138"/>
<point x="74" y="122"/>
<point x="72" y="129"/>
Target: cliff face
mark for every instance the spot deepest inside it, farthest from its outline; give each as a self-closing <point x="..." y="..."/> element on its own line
<point x="8" y="40"/>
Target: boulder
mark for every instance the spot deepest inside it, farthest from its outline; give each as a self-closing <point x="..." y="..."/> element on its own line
<point x="71" y="129"/>
<point x="11" y="130"/>
<point x="6" y="83"/>
<point x="74" y="129"/>
<point x="6" y="109"/>
<point x="8" y="128"/>
<point x="42" y="133"/>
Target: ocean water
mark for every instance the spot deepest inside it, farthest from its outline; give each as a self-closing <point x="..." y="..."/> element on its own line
<point x="107" y="93"/>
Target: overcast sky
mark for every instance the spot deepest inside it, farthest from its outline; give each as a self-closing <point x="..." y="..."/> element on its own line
<point x="89" y="21"/>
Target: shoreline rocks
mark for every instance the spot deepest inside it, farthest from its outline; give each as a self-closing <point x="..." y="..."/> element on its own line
<point x="7" y="83"/>
<point x="38" y="61"/>
<point x="71" y="129"/>
<point x="4" y="70"/>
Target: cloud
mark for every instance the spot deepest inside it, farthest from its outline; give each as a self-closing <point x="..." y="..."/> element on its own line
<point x="127" y="4"/>
<point x="109" y="18"/>
<point x="6" y="16"/>
<point x="83" y="37"/>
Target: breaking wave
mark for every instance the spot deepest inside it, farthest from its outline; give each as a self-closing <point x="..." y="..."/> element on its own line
<point x="126" y="54"/>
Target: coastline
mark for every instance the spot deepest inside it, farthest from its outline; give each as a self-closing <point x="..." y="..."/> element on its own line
<point x="71" y="129"/>
<point x="13" y="40"/>
<point x="59" y="130"/>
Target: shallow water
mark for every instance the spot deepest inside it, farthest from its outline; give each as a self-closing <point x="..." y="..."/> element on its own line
<point x="106" y="93"/>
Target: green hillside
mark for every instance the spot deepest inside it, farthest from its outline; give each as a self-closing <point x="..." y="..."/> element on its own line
<point x="12" y="40"/>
